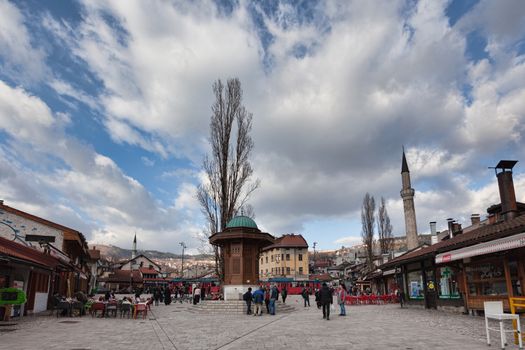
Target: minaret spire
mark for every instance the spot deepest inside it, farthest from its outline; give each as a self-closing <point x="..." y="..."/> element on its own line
<point x="404" y="164"/>
<point x="407" y="193"/>
<point x="134" y="248"/>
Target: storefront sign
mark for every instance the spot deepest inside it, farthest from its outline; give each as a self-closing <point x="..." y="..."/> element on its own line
<point x="498" y="245"/>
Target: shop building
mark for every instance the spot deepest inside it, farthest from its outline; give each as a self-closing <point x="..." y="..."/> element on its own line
<point x="61" y="253"/>
<point x="484" y="262"/>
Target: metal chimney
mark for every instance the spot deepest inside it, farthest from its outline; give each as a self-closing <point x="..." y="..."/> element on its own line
<point x="450" y="223"/>
<point x="475" y="219"/>
<point x="509" y="207"/>
<point x="433" y="233"/>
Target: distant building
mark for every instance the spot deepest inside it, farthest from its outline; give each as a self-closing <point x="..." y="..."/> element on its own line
<point x="286" y="258"/>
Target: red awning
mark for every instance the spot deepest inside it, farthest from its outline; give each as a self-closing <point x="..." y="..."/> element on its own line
<point x="27" y="254"/>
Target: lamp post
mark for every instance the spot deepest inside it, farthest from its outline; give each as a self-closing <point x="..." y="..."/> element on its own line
<point x="315" y="245"/>
<point x="182" y="259"/>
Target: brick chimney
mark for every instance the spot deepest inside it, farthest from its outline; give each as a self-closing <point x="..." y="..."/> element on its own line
<point x="509" y="207"/>
<point x="475" y="219"/>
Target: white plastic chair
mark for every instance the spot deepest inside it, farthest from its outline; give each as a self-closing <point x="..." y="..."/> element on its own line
<point x="494" y="311"/>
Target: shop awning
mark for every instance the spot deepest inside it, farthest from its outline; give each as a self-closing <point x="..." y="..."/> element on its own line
<point x="497" y="245"/>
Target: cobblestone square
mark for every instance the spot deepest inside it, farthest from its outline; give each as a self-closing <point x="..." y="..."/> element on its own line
<point x="179" y="326"/>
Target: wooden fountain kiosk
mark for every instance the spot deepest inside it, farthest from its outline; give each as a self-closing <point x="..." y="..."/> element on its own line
<point x="240" y="244"/>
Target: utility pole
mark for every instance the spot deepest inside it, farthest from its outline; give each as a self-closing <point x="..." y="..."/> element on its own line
<point x="315" y="245"/>
<point x="182" y="259"/>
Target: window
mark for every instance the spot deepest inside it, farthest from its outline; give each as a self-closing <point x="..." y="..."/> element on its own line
<point x="415" y="285"/>
<point x="287" y="257"/>
<point x="272" y="257"/>
<point x="262" y="261"/>
<point x="448" y="284"/>
<point x="301" y="270"/>
<point x="282" y="257"/>
<point x="486" y="278"/>
<point x="267" y="259"/>
<point x="300" y="257"/>
<point x="266" y="270"/>
<point x="261" y="271"/>
<point x="287" y="270"/>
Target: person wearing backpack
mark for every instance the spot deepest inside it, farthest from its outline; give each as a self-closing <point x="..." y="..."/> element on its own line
<point x="284" y="294"/>
<point x="306" y="296"/>
<point x="247" y="297"/>
<point x="274" y="296"/>
<point x="258" y="297"/>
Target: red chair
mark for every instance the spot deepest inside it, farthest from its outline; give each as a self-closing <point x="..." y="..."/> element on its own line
<point x="148" y="303"/>
<point x="143" y="308"/>
<point x="97" y="307"/>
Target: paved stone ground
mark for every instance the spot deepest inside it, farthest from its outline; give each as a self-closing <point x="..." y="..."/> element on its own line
<point x="176" y="327"/>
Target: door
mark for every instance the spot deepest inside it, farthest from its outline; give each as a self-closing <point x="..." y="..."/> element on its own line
<point x="430" y="290"/>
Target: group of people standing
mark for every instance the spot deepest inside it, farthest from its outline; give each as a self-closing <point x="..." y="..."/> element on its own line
<point x="268" y="295"/>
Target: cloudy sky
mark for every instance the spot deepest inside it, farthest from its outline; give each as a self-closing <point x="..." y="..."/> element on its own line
<point x="105" y="107"/>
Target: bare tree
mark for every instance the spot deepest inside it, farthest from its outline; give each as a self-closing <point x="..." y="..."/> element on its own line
<point x="384" y="229"/>
<point x="228" y="169"/>
<point x="368" y="225"/>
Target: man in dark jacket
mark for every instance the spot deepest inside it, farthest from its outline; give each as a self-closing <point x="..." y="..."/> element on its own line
<point x="247" y="297"/>
<point x="326" y="298"/>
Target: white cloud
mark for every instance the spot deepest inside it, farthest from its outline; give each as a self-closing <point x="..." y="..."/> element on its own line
<point x="342" y="90"/>
<point x="19" y="59"/>
<point x="349" y="240"/>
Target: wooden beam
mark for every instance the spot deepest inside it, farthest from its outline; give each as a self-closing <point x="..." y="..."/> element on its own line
<point x="508" y="278"/>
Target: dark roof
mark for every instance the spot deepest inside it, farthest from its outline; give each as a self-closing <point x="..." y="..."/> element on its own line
<point x="27" y="254"/>
<point x="482" y="234"/>
<point x="404" y="165"/>
<point x="289" y="241"/>
<point x="94" y="254"/>
<point x="148" y="271"/>
<point x="321" y="277"/>
<point x="123" y="276"/>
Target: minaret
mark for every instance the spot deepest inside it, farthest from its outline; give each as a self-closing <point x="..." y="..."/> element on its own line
<point x="407" y="193"/>
<point x="134" y="248"/>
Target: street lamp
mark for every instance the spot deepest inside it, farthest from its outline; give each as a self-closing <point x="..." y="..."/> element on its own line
<point x="315" y="245"/>
<point x="182" y="259"/>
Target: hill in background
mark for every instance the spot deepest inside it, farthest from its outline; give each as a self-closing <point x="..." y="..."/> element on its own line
<point x="115" y="253"/>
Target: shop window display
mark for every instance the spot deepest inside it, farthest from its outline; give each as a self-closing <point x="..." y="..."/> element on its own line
<point x="415" y="285"/>
<point x="487" y="278"/>
<point x="448" y="284"/>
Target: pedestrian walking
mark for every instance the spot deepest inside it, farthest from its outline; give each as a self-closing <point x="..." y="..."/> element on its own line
<point x="156" y="296"/>
<point x="341" y="297"/>
<point x="400" y="297"/>
<point x="317" y="298"/>
<point x="274" y="295"/>
<point x="284" y="294"/>
<point x="306" y="296"/>
<point x="196" y="295"/>
<point x="167" y="296"/>
<point x="247" y="297"/>
<point x="258" y="297"/>
<point x="267" y="299"/>
<point x="326" y="298"/>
